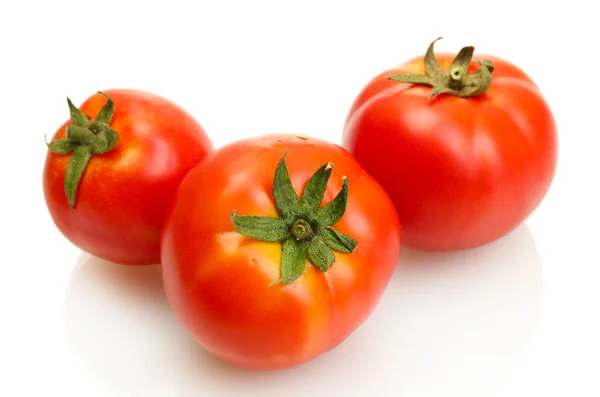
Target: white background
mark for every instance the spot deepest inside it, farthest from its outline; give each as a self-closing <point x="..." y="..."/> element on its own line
<point x="516" y="318"/>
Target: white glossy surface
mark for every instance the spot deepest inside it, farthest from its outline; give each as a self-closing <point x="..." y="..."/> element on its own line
<point x="462" y="319"/>
<point x="517" y="318"/>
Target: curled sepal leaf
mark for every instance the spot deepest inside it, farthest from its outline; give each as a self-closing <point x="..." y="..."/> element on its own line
<point x="478" y="82"/>
<point x="293" y="261"/>
<point x="484" y="63"/>
<point x="304" y="227"/>
<point x="338" y="241"/>
<point x="456" y="81"/>
<point x="320" y="255"/>
<point x="84" y="139"/>
<point x="105" y="140"/>
<point x="79" y="160"/>
<point x="105" y="114"/>
<point x="432" y="66"/>
<point x="263" y="228"/>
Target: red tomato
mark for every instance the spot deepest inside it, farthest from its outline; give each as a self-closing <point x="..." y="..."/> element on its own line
<point x="107" y="185"/>
<point x="464" y="167"/>
<point x="271" y="285"/>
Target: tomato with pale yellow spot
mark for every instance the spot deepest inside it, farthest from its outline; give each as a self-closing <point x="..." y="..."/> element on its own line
<point x="112" y="169"/>
<point x="276" y="248"/>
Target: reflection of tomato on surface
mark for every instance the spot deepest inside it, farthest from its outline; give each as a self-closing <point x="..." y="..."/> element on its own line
<point x="112" y="169"/>
<point x="121" y="329"/>
<point x="466" y="152"/>
<point x="277" y="248"/>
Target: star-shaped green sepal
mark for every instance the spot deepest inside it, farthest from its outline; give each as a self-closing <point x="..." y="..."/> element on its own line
<point x="85" y="138"/>
<point x="456" y="81"/>
<point x="304" y="228"/>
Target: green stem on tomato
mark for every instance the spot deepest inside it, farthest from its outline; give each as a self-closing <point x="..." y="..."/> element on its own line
<point x="304" y="228"/>
<point x="457" y="81"/>
<point x="85" y="138"/>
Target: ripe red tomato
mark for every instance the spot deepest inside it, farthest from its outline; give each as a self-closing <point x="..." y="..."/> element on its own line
<point x="112" y="169"/>
<point x="262" y="278"/>
<point x="464" y="162"/>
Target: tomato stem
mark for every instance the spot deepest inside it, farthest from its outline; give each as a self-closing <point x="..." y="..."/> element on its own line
<point x="84" y="139"/>
<point x="457" y="76"/>
<point x="456" y="81"/>
<point x="304" y="228"/>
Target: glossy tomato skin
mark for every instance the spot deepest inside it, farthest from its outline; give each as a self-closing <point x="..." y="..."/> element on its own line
<point x="123" y="194"/>
<point x="217" y="281"/>
<point x="461" y="172"/>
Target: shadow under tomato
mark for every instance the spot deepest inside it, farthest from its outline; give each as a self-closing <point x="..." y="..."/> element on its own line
<point x="121" y="328"/>
<point x="449" y="324"/>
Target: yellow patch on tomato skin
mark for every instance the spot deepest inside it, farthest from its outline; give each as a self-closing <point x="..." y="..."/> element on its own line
<point x="129" y="159"/>
<point x="343" y="267"/>
<point x="445" y="63"/>
<point x="416" y="66"/>
<point x="264" y="256"/>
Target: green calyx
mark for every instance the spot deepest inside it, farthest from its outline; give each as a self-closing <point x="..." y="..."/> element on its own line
<point x="456" y="81"/>
<point x="85" y="138"/>
<point x="304" y="228"/>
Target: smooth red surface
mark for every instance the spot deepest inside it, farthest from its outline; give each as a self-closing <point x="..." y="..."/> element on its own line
<point x="123" y="194"/>
<point x="217" y="281"/>
<point x="461" y="172"/>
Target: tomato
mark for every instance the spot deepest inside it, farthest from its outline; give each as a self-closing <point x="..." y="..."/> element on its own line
<point x="466" y="149"/>
<point x="263" y="279"/>
<point x="112" y="170"/>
